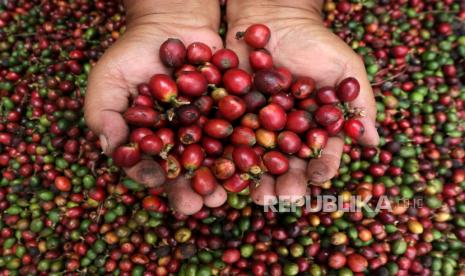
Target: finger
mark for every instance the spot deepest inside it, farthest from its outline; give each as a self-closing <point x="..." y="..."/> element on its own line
<point x="296" y="163"/>
<point x="114" y="79"/>
<point x="292" y="185"/>
<point x="109" y="89"/>
<point x="182" y="198"/>
<point x="366" y="102"/>
<point x="106" y="98"/>
<point x="325" y="167"/>
<point x="147" y="172"/>
<point x="263" y="192"/>
<point x="217" y="198"/>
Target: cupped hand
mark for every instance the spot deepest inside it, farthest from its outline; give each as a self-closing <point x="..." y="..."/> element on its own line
<point x="132" y="60"/>
<point x="300" y="42"/>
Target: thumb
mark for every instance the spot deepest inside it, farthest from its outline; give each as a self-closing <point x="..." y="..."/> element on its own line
<point x="106" y="98"/>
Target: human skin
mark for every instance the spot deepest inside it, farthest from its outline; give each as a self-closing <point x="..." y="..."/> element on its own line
<point x="133" y="59"/>
<point x="300" y="42"/>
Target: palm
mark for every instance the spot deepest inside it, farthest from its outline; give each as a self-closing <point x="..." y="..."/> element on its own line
<point x="322" y="63"/>
<point x="134" y="58"/>
<point x="304" y="50"/>
<point x="307" y="48"/>
<point x="128" y="63"/>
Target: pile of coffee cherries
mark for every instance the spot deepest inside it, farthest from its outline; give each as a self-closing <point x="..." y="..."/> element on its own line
<point x="221" y="125"/>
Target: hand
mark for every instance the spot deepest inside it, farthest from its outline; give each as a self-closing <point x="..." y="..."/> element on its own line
<point x="132" y="60"/>
<point x="300" y="42"/>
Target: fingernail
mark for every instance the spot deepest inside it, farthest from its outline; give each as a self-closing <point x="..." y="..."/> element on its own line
<point x="150" y="174"/>
<point x="318" y="178"/>
<point x="103" y="143"/>
<point x="318" y="173"/>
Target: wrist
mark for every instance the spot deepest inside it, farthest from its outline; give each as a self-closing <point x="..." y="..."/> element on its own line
<point x="193" y="14"/>
<point x="262" y="11"/>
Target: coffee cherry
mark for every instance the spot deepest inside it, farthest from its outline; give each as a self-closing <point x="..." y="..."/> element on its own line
<point x="198" y="53"/>
<point x="327" y="114"/>
<point x="237" y="81"/>
<point x="257" y="35"/>
<point x="172" y="52"/>
<point x="348" y="90"/>
<point x="354" y="128"/>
